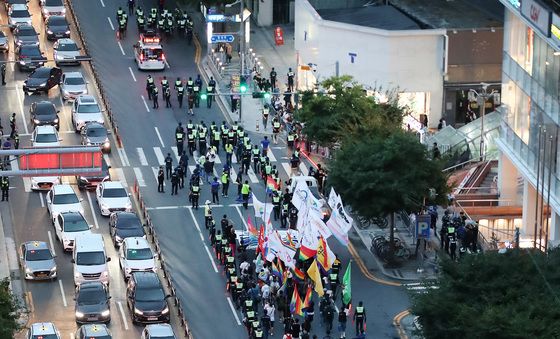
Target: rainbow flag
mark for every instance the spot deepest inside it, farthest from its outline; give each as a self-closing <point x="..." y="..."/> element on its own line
<point x="298" y="274"/>
<point x="251" y="228"/>
<point x="296" y="303"/>
<point x="275" y="271"/>
<point x="307" y="297"/>
<point x="271" y="184"/>
<point x="306" y="253"/>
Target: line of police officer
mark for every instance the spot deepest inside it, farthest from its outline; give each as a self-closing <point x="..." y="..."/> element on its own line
<point x="192" y="88"/>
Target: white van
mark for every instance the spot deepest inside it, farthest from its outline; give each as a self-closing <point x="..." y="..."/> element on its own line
<point x="90" y="259"/>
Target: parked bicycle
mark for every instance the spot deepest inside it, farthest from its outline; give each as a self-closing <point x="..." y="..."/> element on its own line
<point x="380" y="245"/>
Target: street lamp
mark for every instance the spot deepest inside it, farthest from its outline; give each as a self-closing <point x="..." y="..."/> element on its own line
<point x="481" y="99"/>
<point x="241" y="46"/>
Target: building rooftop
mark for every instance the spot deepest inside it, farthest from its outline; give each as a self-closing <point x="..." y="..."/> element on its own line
<point x="382" y="17"/>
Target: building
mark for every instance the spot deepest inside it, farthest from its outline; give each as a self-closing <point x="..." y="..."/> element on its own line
<point x="528" y="173"/>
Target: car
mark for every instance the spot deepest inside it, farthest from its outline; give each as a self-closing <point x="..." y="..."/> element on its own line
<point x="90" y="260"/>
<point x="92" y="303"/>
<point x="42" y="79"/>
<point x="62" y="198"/>
<point x="136" y="255"/>
<point x="93" y="331"/>
<point x="37" y="260"/>
<point x="52" y="7"/>
<point x="44" y="183"/>
<point x="161" y="331"/>
<point x="66" y="52"/>
<point x="68" y="226"/>
<point x="4" y="43"/>
<point x="10" y="3"/>
<point x="86" y="109"/>
<point x="123" y="225"/>
<point x="72" y="84"/>
<point x="44" y="113"/>
<point x="95" y="134"/>
<point x="25" y="35"/>
<point x="29" y="57"/>
<point x="57" y="27"/>
<point x="90" y="181"/>
<point x="18" y="14"/>
<point x="146" y="298"/>
<point x="112" y="197"/>
<point x="45" y="136"/>
<point x="42" y="331"/>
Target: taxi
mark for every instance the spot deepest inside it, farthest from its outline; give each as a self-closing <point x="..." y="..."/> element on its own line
<point x="148" y="52"/>
<point x="37" y="261"/>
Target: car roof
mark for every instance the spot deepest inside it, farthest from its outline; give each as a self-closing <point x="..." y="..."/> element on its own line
<point x="89" y="243"/>
<point x="94" y="124"/>
<point x="126" y="215"/>
<point x="73" y="74"/>
<point x="19" y="7"/>
<point x="43" y="103"/>
<point x="86" y="100"/>
<point x="63" y="189"/>
<point x="45" y="129"/>
<point x="136" y="243"/>
<point x="95" y="329"/>
<point x="160" y="330"/>
<point x="92" y="285"/>
<point x="66" y="41"/>
<point x="24" y="27"/>
<point x="43" y="328"/>
<point x="36" y="245"/>
<point x="112" y="184"/>
<point x="147" y="279"/>
<point x="72" y="216"/>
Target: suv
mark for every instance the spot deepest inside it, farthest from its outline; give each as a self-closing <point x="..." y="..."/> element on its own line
<point x="42" y="331"/>
<point x="146" y="298"/>
<point x="86" y="109"/>
<point x="90" y="259"/>
<point x="112" y="197"/>
<point x="90" y="181"/>
<point x="92" y="303"/>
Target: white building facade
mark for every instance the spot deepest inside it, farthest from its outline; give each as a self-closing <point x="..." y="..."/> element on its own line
<point x="413" y="62"/>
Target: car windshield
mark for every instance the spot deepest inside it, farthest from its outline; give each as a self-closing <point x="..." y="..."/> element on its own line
<point x="153" y="53"/>
<point x="149" y="294"/>
<point x="78" y="225"/>
<point x="20" y="14"/>
<point x="91" y="296"/>
<point x="37" y="255"/>
<point x="74" y="81"/>
<point x="96" y="132"/>
<point x="45" y="110"/>
<point x="46" y="138"/>
<point x="68" y="198"/>
<point x="30" y="51"/>
<point x="27" y="31"/>
<point x="90" y="258"/>
<point x="45" y="336"/>
<point x="41" y="73"/>
<point x="69" y="47"/>
<point x="129" y="221"/>
<point x="114" y="193"/>
<point x="89" y="108"/>
<point x="53" y="3"/>
<point x="139" y="254"/>
<point x="57" y="21"/>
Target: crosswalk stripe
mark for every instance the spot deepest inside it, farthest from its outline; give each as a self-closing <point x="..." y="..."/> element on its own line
<point x="156" y="170"/>
<point x="303" y="169"/>
<point x="139" y="177"/>
<point x="120" y="176"/>
<point x="233" y="176"/>
<point x="234" y="159"/>
<point x="15" y="167"/>
<point x="271" y="156"/>
<point x="218" y="161"/>
<point x="176" y="152"/>
<point x="253" y="177"/>
<point x="123" y="156"/>
<point x="142" y="156"/>
<point x="107" y="159"/>
<point x="159" y="156"/>
<point x="287" y="168"/>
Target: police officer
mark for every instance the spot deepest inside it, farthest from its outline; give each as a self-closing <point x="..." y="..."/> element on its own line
<point x="275" y="129"/>
<point x="179" y="138"/>
<point x="229" y="153"/>
<point x="195" y="193"/>
<point x="160" y="179"/>
<point x="290" y="80"/>
<point x="276" y="198"/>
<point x="256" y="158"/>
<point x="196" y="91"/>
<point x="190" y="85"/>
<point x="273" y="76"/>
<point x="445" y="221"/>
<point x="452" y="240"/>
<point x="139" y="11"/>
<point x="5" y="186"/>
<point x="3" y="70"/>
<point x="216" y="140"/>
<point x="360" y="318"/>
<point x="210" y="89"/>
<point x="290" y="139"/>
<point x="168" y="165"/>
<point x="16" y="140"/>
<point x="285" y="210"/>
<point x="155" y="93"/>
<point x="131" y="7"/>
<point x="141" y="22"/>
<point x="225" y="184"/>
<point x="167" y="95"/>
<point x="149" y="86"/>
<point x="122" y="26"/>
<point x="202" y="134"/>
<point x="181" y="174"/>
<point x="120" y="13"/>
<point x="161" y="23"/>
<point x="174" y="182"/>
<point x="207" y="214"/>
<point x="191" y="140"/>
<point x="245" y="191"/>
<point x="12" y="123"/>
<point x="246" y="161"/>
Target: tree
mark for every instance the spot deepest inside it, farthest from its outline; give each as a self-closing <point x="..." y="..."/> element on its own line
<point x="345" y="110"/>
<point x="512" y="295"/>
<point x="9" y="311"/>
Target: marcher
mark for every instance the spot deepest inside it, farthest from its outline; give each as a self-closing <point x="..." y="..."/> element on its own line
<point x="5" y="187"/>
<point x="225" y="184"/>
<point x="174" y="183"/>
<point x="155" y="96"/>
<point x="168" y="165"/>
<point x="360" y="318"/>
<point x="3" y="70"/>
<point x="214" y="188"/>
<point x="161" y="179"/>
<point x="342" y="319"/>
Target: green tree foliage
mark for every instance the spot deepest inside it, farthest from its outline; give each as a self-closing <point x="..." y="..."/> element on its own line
<point x="494" y="296"/>
<point x="344" y="111"/>
<point x="9" y="311"/>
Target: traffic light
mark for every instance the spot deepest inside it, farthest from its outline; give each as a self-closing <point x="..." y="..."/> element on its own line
<point x="242" y="85"/>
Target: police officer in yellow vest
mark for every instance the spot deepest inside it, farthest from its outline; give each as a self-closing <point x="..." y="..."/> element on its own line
<point x="190" y="85"/>
<point x="275" y="129"/>
<point x="291" y="139"/>
<point x="195" y="194"/>
<point x="225" y="184"/>
<point x="276" y="198"/>
<point x="360" y="318"/>
<point x="245" y="191"/>
<point x="229" y="153"/>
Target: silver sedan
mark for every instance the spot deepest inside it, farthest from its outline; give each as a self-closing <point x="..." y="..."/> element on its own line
<point x="37" y="261"/>
<point x="72" y="85"/>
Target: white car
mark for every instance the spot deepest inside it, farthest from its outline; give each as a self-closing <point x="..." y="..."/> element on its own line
<point x="69" y="225"/>
<point x="72" y="85"/>
<point x="154" y="331"/>
<point x="52" y="7"/>
<point x="42" y="331"/>
<point x="44" y="183"/>
<point x="86" y="109"/>
<point x="112" y="197"/>
<point x="136" y="255"/>
<point x="62" y="198"/>
<point x="66" y="52"/>
<point x="45" y="136"/>
<point x="18" y="14"/>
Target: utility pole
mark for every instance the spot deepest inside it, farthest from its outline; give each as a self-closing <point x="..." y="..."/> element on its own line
<point x="481" y="99"/>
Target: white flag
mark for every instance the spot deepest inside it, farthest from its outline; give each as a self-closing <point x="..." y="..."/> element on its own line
<point x="333" y="198"/>
<point x="345" y="218"/>
<point x="303" y="199"/>
<point x="316" y="221"/>
<point x="262" y="210"/>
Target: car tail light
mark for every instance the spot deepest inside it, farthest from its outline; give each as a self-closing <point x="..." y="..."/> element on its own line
<point x="162" y="56"/>
<point x="141" y="57"/>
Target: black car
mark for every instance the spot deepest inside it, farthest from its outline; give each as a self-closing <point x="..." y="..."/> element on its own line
<point x="125" y="225"/>
<point x="146" y="298"/>
<point x="44" y="113"/>
<point x="29" y="57"/>
<point x="26" y="35"/>
<point x="57" y="27"/>
<point x="90" y="181"/>
<point x="42" y="80"/>
<point x="92" y="303"/>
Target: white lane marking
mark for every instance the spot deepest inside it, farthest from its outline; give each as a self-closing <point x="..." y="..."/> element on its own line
<point x="234" y="159"/>
<point x="92" y="211"/>
<point x="271" y="156"/>
<point x="123" y="156"/>
<point x="253" y="176"/>
<point x="175" y="207"/>
<point x="156" y="170"/>
<point x="192" y="168"/>
<point x="203" y="243"/>
<point x="139" y="177"/>
<point x="166" y="63"/>
<point x="42" y="198"/>
<point x="111" y="23"/>
<point x="121" y="177"/>
<point x="145" y="103"/>
<point x="51" y="242"/>
<point x="20" y="101"/>
<point x="26" y="180"/>
<point x="242" y="217"/>
<point x="287" y="168"/>
<point x="62" y="291"/>
<point x="218" y="161"/>
<point x="132" y="73"/>
<point x="159" y="156"/>
<point x="121" y="310"/>
<point x="233" y="311"/>
<point x="159" y="137"/>
<point x="107" y="159"/>
<point x="142" y="156"/>
<point x="233" y="176"/>
<point x="120" y="46"/>
<point x="102" y="3"/>
<point x="304" y="170"/>
<point x="176" y="152"/>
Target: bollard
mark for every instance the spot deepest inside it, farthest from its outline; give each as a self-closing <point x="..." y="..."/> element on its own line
<point x="257" y="125"/>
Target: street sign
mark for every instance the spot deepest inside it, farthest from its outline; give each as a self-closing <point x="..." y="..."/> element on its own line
<point x="222" y="38"/>
<point x="423" y="226"/>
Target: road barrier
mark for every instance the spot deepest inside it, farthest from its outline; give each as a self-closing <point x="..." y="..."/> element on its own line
<point x="166" y="274"/>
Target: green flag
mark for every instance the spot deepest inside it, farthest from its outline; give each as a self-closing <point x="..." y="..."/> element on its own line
<point x="347" y="290"/>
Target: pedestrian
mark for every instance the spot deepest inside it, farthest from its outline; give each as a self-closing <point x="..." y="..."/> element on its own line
<point x="150" y="86"/>
<point x="225" y="183"/>
<point x="342" y="319"/>
<point x="167" y="95"/>
<point x="161" y="179"/>
<point x="214" y="188"/>
<point x="16" y="140"/>
<point x="3" y="70"/>
<point x="174" y="182"/>
<point x="5" y="187"/>
<point x="155" y="92"/>
<point x="245" y="191"/>
<point x="210" y="91"/>
<point x="273" y="76"/>
<point x="168" y="165"/>
<point x="329" y="316"/>
<point x="436" y="154"/>
<point x="181" y="174"/>
<point x="360" y="318"/>
<point x="191" y="103"/>
<point x="296" y="329"/>
<point x="12" y="123"/>
<point x="442" y="124"/>
<point x="291" y="76"/>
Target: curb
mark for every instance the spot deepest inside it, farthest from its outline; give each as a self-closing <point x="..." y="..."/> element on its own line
<point x="397" y="323"/>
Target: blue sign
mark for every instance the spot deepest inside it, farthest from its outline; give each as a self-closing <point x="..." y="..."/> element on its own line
<point x="423" y="226"/>
<point x="222" y="38"/>
<point x="353" y="56"/>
